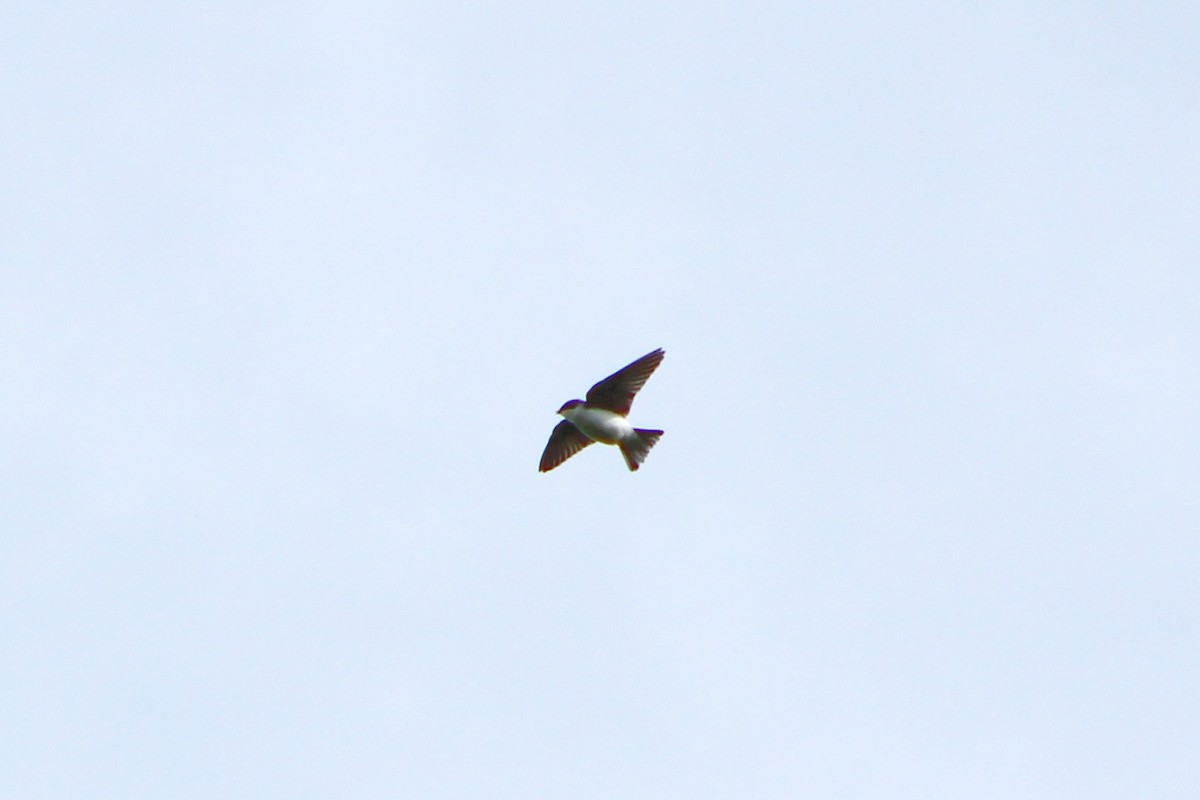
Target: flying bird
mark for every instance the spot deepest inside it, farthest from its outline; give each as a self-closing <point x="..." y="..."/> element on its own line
<point x="601" y="418"/>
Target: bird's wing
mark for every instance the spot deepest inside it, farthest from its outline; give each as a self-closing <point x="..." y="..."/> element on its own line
<point x="565" y="441"/>
<point x="617" y="390"/>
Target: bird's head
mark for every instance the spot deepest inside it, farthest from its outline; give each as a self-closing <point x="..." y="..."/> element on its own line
<point x="569" y="405"/>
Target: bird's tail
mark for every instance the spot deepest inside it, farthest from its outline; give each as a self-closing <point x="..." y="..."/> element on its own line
<point x="636" y="448"/>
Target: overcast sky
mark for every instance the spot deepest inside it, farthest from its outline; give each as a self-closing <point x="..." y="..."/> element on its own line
<point x="290" y="293"/>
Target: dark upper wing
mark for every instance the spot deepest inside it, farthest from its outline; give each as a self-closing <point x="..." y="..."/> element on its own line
<point x="617" y="390"/>
<point x="565" y="441"/>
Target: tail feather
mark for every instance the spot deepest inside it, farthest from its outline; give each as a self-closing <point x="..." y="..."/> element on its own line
<point x="636" y="449"/>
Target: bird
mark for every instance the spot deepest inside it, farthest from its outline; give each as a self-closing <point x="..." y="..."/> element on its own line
<point x="601" y="418"/>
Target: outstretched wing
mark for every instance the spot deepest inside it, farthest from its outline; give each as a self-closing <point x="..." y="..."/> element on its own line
<point x="565" y="441"/>
<point x="617" y="390"/>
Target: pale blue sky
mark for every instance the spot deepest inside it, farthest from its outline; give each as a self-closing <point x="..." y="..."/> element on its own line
<point x="289" y="294"/>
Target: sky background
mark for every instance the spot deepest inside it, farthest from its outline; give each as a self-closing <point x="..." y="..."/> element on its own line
<point x="290" y="293"/>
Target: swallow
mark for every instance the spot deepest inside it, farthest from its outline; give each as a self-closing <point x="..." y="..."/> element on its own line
<point x="601" y="418"/>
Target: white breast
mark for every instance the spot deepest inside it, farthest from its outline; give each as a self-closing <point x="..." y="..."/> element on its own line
<point x="599" y="424"/>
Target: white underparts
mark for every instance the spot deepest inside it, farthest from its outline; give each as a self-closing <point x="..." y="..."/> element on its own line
<point x="600" y="424"/>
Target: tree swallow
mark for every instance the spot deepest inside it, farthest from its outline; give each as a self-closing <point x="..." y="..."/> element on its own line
<point x="601" y="418"/>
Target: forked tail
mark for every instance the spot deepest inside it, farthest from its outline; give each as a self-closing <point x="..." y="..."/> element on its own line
<point x="635" y="449"/>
